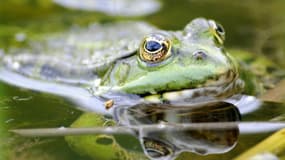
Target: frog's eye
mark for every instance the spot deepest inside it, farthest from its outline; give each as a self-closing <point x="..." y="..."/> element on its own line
<point x="219" y="31"/>
<point x="155" y="48"/>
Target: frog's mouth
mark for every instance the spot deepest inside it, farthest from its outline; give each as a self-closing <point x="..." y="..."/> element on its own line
<point x="201" y="94"/>
<point x="220" y="89"/>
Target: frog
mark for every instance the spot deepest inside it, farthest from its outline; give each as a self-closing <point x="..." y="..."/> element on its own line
<point x="139" y="63"/>
<point x="108" y="66"/>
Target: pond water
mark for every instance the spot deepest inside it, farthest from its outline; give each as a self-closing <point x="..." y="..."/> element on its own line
<point x="256" y="26"/>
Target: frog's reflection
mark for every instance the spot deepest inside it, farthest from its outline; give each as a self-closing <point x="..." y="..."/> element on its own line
<point x="161" y="144"/>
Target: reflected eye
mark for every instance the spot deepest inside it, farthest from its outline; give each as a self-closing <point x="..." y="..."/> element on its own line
<point x="219" y="31"/>
<point x="155" y="48"/>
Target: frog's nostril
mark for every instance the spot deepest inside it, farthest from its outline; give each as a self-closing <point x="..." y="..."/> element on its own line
<point x="200" y="55"/>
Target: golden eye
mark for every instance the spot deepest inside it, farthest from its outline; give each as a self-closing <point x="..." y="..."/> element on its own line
<point x="219" y="31"/>
<point x="155" y="48"/>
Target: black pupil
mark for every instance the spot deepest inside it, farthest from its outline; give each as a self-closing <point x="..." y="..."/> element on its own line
<point x="152" y="46"/>
<point x="219" y="29"/>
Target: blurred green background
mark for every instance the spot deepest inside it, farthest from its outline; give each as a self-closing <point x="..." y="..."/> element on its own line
<point x="256" y="25"/>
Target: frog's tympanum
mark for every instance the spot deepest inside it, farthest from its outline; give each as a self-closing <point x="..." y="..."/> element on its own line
<point x="107" y="66"/>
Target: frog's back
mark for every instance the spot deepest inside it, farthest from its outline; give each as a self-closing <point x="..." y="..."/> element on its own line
<point x="78" y="55"/>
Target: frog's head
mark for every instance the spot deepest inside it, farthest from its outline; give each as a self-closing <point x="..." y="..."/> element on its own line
<point x="175" y="64"/>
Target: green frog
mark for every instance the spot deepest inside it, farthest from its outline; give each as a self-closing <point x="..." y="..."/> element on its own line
<point x="127" y="63"/>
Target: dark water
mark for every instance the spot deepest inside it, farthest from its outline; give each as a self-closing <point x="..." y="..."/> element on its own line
<point x="256" y="26"/>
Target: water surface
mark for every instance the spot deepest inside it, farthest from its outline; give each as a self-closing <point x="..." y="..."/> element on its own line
<point x="255" y="26"/>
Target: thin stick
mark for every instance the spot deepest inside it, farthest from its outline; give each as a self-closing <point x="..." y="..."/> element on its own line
<point x="244" y="127"/>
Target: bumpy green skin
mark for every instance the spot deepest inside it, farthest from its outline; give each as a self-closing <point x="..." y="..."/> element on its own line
<point x="182" y="70"/>
<point x="191" y="73"/>
<point x="99" y="147"/>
